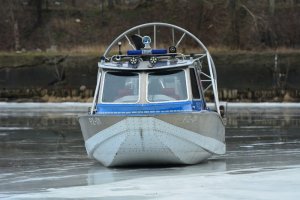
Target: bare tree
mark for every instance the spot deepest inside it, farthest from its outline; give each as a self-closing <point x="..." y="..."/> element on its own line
<point x="15" y="25"/>
<point x="38" y="11"/>
<point x="234" y="31"/>
<point x="271" y="7"/>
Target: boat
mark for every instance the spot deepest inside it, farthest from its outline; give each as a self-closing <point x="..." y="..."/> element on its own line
<point x="150" y="104"/>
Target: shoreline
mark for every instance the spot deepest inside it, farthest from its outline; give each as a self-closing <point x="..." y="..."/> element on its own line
<point x="242" y="77"/>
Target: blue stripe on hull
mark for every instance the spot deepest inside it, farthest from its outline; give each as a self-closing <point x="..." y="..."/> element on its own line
<point x="151" y="108"/>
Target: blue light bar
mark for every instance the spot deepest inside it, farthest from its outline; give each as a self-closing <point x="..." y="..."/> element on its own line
<point x="159" y="51"/>
<point x="147" y="52"/>
<point x="134" y="52"/>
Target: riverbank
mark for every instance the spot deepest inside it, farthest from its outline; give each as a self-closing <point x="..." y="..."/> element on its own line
<point x="58" y="77"/>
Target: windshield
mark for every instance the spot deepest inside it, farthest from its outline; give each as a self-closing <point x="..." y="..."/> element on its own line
<point x="121" y="87"/>
<point x="167" y="86"/>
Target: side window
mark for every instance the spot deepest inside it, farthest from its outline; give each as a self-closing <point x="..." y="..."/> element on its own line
<point x="194" y="84"/>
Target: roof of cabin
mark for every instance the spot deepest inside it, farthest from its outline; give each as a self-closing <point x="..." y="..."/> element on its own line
<point x="145" y="65"/>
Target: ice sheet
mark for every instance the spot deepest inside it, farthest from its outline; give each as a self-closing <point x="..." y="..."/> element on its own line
<point x="43" y="157"/>
<point x="258" y="183"/>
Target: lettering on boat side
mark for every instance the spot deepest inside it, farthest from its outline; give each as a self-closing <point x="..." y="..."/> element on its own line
<point x="190" y="119"/>
<point x="95" y="121"/>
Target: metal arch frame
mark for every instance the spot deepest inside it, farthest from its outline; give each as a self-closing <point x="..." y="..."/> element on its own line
<point x="211" y="65"/>
<point x="154" y="24"/>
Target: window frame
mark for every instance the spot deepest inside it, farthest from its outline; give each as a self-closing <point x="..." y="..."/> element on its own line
<point x="103" y="85"/>
<point x="186" y="84"/>
<point x="193" y="70"/>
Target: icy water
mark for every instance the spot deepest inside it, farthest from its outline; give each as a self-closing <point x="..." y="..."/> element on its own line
<point x="42" y="156"/>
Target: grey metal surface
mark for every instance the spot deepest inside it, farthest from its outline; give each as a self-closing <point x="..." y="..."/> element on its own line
<point x="185" y="138"/>
<point x="92" y="124"/>
<point x="210" y="124"/>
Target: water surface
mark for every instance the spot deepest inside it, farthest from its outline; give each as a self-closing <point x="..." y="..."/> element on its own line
<point x="43" y="156"/>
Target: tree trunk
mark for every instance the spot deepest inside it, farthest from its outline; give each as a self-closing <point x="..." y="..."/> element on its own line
<point x="111" y="4"/>
<point x="291" y="3"/>
<point x="16" y="36"/>
<point x="15" y="26"/>
<point x="272" y="7"/>
<point x="74" y="3"/>
<point x="234" y="32"/>
<point x="39" y="4"/>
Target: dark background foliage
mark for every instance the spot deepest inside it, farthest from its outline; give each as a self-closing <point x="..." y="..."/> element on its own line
<point x="234" y="24"/>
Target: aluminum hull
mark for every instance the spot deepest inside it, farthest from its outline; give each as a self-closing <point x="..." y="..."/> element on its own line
<point x="181" y="138"/>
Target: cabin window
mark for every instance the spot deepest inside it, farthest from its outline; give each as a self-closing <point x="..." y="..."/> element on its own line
<point x="194" y="83"/>
<point x="166" y="86"/>
<point x="121" y="87"/>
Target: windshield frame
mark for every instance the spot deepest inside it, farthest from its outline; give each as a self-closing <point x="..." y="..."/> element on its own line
<point x="186" y="88"/>
<point x="103" y="86"/>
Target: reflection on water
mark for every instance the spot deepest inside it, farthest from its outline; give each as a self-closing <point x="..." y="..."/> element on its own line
<point x="42" y="149"/>
<point x="99" y="175"/>
<point x="275" y="117"/>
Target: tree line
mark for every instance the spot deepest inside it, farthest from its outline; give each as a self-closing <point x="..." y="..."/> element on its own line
<point x="235" y="24"/>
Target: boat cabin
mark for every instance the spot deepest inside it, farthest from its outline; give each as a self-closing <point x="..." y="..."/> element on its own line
<point x="155" y="90"/>
<point x="147" y="80"/>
